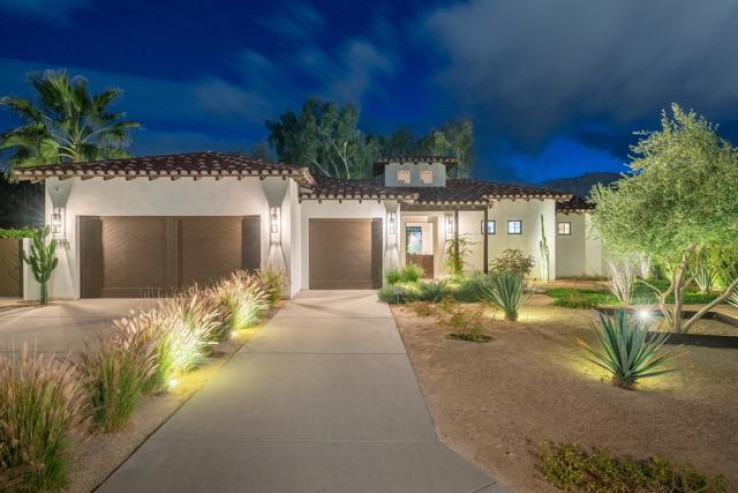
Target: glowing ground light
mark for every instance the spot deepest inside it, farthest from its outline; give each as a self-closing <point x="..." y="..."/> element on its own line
<point x="644" y="315"/>
<point x="173" y="382"/>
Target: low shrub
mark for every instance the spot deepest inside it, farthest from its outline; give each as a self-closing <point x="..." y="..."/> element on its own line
<point x="42" y="404"/>
<point x="625" y="350"/>
<point x="513" y="260"/>
<point x="571" y="468"/>
<point x="508" y="290"/>
<point x="409" y="274"/>
<point x="575" y="298"/>
<point x="115" y="372"/>
<point x="467" y="325"/>
<point x="400" y="293"/>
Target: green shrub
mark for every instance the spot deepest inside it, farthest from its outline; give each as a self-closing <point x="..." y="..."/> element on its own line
<point x="432" y="291"/>
<point x="457" y="250"/>
<point x="507" y="290"/>
<point x="625" y="350"/>
<point x="393" y="276"/>
<point x="513" y="260"/>
<point x="400" y="293"/>
<point x="574" y="298"/>
<point x="466" y="324"/>
<point x="411" y="273"/>
<point x="42" y="404"/>
<point x="115" y="373"/>
<point x="17" y="234"/>
<point x="571" y="468"/>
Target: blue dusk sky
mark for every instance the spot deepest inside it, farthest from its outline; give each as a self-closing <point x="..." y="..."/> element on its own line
<point x="554" y="88"/>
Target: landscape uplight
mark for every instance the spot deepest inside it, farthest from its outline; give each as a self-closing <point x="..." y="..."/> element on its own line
<point x="644" y="315"/>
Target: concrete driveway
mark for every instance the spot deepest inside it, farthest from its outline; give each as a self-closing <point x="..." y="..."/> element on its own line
<point x="323" y="400"/>
<point x="63" y="326"/>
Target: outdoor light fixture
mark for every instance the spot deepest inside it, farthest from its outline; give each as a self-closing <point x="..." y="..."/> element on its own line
<point x="644" y="315"/>
<point x="449" y="226"/>
<point x="391" y="218"/>
<point x="274" y="220"/>
<point x="56" y="223"/>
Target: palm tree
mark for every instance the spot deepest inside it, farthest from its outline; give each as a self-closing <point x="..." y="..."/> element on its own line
<point x="66" y="124"/>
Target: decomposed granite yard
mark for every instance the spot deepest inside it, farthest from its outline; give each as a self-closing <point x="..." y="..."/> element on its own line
<point x="496" y="403"/>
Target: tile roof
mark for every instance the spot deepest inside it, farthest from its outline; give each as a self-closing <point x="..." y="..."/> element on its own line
<point x="195" y="165"/>
<point x="576" y="204"/>
<point x="417" y="159"/>
<point x="456" y="192"/>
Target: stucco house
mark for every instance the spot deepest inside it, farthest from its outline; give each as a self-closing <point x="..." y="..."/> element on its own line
<point x="142" y="226"/>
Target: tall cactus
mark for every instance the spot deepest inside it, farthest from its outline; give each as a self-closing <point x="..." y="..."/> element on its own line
<point x="42" y="260"/>
<point x="545" y="254"/>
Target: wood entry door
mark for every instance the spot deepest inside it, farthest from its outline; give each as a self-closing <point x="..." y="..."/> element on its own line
<point x="132" y="257"/>
<point x="345" y="253"/>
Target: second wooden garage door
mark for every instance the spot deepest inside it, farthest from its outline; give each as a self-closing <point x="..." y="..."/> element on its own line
<point x="130" y="257"/>
<point x="345" y="253"/>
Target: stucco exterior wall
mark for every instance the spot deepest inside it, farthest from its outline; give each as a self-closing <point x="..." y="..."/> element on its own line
<point x="438" y="170"/>
<point x="333" y="209"/>
<point x="142" y="197"/>
<point x="579" y="254"/>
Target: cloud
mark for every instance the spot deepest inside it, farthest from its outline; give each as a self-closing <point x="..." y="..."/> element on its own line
<point x="206" y="100"/>
<point x="529" y="69"/>
<point x="56" y="11"/>
<point x="296" y="21"/>
<point x="348" y="75"/>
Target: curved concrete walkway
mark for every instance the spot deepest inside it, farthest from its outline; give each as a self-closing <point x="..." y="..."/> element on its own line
<point x="324" y="400"/>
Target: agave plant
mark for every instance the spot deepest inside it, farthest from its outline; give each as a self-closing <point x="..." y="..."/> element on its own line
<point x="509" y="291"/>
<point x="625" y="349"/>
<point x="42" y="404"/>
<point x="704" y="277"/>
<point x="733" y="299"/>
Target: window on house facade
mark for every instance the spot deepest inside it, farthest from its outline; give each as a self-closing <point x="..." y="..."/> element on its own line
<point x="515" y="227"/>
<point x="403" y="176"/>
<point x="490" y="227"/>
<point x="426" y="177"/>
<point x="564" y="228"/>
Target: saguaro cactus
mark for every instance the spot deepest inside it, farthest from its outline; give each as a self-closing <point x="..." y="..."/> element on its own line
<point x="42" y="261"/>
<point x="545" y="254"/>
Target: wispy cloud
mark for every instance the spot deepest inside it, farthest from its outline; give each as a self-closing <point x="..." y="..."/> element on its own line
<point x="53" y="11"/>
<point x="295" y="21"/>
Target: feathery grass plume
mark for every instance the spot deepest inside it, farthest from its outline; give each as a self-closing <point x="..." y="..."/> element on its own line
<point x="625" y="349"/>
<point x="246" y="298"/>
<point x="116" y="372"/>
<point x="509" y="291"/>
<point x="622" y="280"/>
<point x="273" y="282"/>
<point x="42" y="404"/>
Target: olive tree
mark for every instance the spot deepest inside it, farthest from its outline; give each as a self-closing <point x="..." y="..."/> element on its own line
<point x="679" y="199"/>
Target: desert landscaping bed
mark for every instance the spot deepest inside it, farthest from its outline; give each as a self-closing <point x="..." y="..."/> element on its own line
<point x="97" y="456"/>
<point x="497" y="403"/>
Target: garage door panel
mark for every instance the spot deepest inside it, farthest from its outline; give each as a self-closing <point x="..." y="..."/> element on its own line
<point x="345" y="253"/>
<point x="210" y="248"/>
<point x="151" y="256"/>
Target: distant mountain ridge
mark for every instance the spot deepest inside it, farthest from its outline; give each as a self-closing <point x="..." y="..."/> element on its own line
<point x="581" y="185"/>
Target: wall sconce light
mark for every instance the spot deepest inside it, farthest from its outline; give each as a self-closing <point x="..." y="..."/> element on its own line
<point x="449" y="226"/>
<point x="56" y="222"/>
<point x="391" y="219"/>
<point x="274" y="220"/>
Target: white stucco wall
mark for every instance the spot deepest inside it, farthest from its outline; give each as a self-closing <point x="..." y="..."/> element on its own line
<point x="579" y="254"/>
<point x="162" y="197"/>
<point x="333" y="209"/>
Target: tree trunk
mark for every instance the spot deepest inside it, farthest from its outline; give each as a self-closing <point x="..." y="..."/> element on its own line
<point x="44" y="293"/>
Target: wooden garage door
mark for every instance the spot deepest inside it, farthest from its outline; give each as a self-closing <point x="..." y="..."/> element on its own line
<point x="345" y="253"/>
<point x="11" y="268"/>
<point x="130" y="257"/>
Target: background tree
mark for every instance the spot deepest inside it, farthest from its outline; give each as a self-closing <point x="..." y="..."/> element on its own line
<point x="680" y="200"/>
<point x="325" y="138"/>
<point x="66" y="124"/>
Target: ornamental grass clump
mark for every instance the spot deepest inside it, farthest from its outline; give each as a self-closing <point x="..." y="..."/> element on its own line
<point x="509" y="291"/>
<point x="626" y="349"/>
<point x="116" y="372"/>
<point x="273" y="282"/>
<point x="245" y="297"/>
<point x="622" y="280"/>
<point x="42" y="404"/>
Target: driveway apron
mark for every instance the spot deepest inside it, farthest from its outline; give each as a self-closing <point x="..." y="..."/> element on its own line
<point x="324" y="399"/>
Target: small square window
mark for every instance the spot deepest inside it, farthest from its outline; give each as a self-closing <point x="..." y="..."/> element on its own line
<point x="490" y="227"/>
<point x="564" y="228"/>
<point x="515" y="227"/>
<point x="403" y="176"/>
<point x="426" y="177"/>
